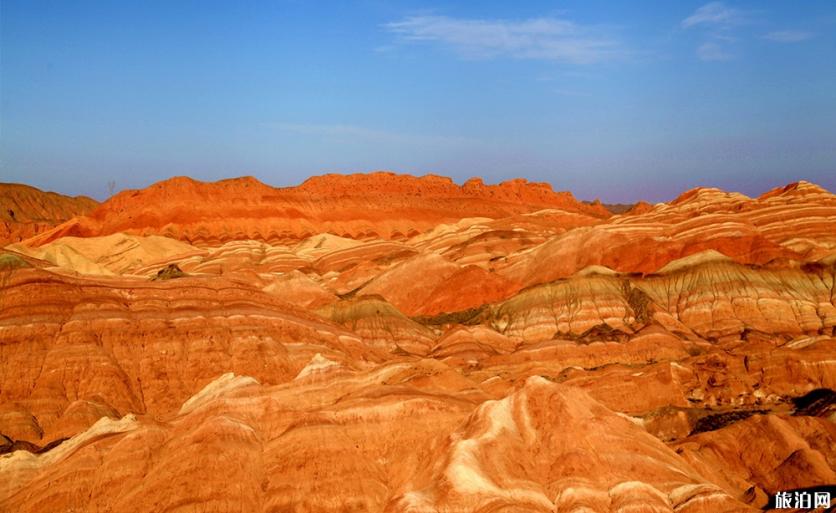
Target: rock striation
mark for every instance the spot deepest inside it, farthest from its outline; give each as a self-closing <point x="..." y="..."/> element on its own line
<point x="379" y="205"/>
<point x="396" y="344"/>
<point x="26" y="211"/>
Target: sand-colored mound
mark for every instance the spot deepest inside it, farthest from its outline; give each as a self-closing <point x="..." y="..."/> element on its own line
<point x="323" y="244"/>
<point x="471" y="345"/>
<point x="112" y="254"/>
<point x="299" y="289"/>
<point x="410" y="284"/>
<point x="380" y="325"/>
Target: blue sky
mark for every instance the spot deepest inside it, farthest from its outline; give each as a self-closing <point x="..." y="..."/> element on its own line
<point x="616" y="100"/>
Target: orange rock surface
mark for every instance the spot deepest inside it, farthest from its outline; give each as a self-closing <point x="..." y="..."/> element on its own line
<point x="26" y="211"/>
<point x="378" y="205"/>
<point x="397" y="344"/>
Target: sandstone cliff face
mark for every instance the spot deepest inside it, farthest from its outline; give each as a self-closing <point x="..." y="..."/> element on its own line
<point x="518" y="354"/>
<point x="26" y="211"/>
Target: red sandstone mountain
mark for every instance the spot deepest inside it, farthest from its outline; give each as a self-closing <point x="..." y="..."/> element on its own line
<point x="26" y="211"/>
<point x="376" y="205"/>
<point x="444" y="349"/>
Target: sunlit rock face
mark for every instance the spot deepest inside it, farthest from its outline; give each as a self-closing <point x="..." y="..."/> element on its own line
<point x="380" y="205"/>
<point x="26" y="211"/>
<point x="397" y="344"/>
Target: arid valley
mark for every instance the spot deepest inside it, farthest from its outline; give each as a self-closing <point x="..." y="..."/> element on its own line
<point x="389" y="343"/>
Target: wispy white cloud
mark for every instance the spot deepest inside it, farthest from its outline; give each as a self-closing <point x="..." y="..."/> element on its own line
<point x="714" y="14"/>
<point x="538" y="38"/>
<point x="788" y="36"/>
<point x="717" y="21"/>
<point x="714" y="51"/>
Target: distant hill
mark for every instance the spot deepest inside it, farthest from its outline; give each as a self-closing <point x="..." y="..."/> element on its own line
<point x="26" y="211"/>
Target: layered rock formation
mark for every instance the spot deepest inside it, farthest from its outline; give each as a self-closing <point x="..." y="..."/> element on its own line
<point x="26" y="211"/>
<point x="394" y="344"/>
<point x="380" y="205"/>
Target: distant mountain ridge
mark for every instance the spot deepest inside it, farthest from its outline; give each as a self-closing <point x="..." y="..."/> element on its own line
<point x="374" y="205"/>
<point x="26" y="211"/>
